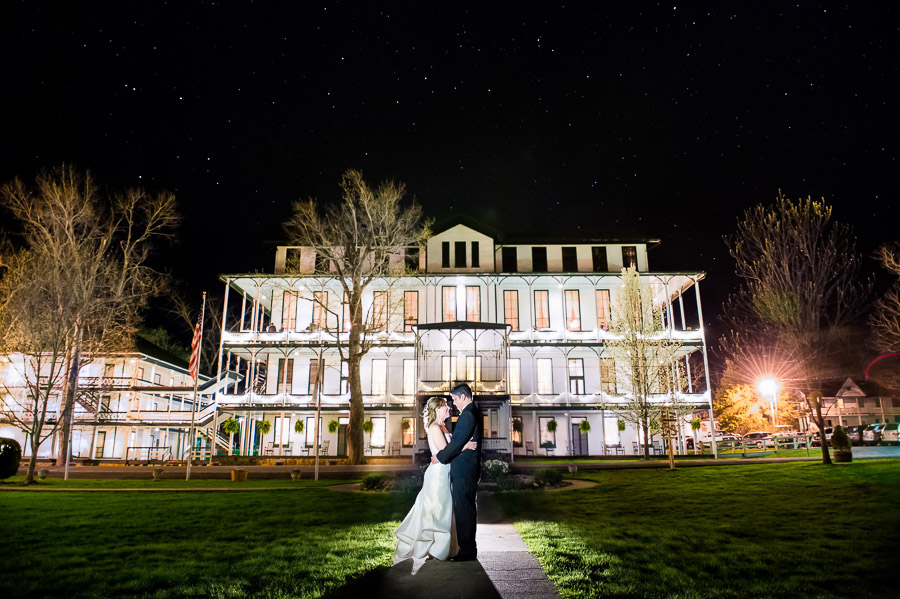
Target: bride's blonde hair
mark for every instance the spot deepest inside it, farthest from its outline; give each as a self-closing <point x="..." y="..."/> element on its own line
<point x="429" y="414"/>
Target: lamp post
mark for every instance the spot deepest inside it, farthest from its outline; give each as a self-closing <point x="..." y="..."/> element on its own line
<point x="769" y="387"/>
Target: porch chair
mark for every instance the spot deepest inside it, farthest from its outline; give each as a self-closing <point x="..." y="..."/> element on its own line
<point x="395" y="448"/>
<point x="529" y="447"/>
<point x="323" y="449"/>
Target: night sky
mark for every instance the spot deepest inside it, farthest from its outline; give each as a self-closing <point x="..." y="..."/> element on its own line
<point x="584" y="119"/>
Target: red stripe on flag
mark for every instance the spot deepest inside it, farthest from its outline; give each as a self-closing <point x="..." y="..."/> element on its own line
<point x="194" y="365"/>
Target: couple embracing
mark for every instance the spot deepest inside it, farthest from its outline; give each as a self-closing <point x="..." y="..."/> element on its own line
<point x="441" y="523"/>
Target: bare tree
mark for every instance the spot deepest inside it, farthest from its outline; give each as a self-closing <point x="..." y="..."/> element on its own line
<point x="357" y="238"/>
<point x="645" y="354"/>
<point x="799" y="295"/>
<point x="89" y="254"/>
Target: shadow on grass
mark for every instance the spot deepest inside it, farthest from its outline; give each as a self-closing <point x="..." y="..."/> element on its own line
<point x="435" y="580"/>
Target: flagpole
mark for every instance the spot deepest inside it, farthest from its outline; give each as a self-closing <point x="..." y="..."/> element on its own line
<point x="320" y="372"/>
<point x="187" y="475"/>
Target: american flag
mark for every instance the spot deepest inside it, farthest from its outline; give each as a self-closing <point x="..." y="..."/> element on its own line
<point x="194" y="365"/>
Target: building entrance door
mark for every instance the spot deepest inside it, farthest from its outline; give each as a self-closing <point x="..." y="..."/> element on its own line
<point x="579" y="441"/>
<point x="342" y="440"/>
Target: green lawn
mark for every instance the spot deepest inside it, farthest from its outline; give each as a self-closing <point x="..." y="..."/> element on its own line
<point x="788" y="530"/>
<point x="295" y="542"/>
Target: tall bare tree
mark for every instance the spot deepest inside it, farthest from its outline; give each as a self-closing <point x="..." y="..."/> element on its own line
<point x="359" y="238"/>
<point x="645" y="354"/>
<point x="800" y="293"/>
<point x="89" y="254"/>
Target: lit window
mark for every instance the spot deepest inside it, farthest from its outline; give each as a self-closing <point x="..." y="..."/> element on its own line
<point x="511" y="309"/>
<point x="319" y="312"/>
<point x="608" y="375"/>
<point x="448" y="368"/>
<point x="573" y="310"/>
<point x="379" y="377"/>
<point x="542" y="310"/>
<point x="473" y="304"/>
<point x="545" y="376"/>
<point x="378" y="430"/>
<point x="410" y="310"/>
<point x="449" y="305"/>
<point x="473" y="368"/>
<point x="379" y="310"/>
<point x="408" y="432"/>
<point x="289" y="311"/>
<point x="603" y="309"/>
<point x="514" y="376"/>
<point x="409" y="377"/>
<point x="548" y="439"/>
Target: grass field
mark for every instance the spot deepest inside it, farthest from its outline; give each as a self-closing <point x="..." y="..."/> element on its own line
<point x="789" y="530"/>
<point x="279" y="542"/>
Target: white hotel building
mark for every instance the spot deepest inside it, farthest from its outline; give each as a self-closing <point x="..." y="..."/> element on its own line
<point x="524" y="324"/>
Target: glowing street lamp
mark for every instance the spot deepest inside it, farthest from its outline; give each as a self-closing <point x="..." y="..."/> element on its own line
<point x="769" y="387"/>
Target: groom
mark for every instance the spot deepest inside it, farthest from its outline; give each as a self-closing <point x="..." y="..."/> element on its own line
<point x="465" y="469"/>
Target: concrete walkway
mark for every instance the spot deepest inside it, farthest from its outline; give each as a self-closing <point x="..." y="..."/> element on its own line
<point x="504" y="570"/>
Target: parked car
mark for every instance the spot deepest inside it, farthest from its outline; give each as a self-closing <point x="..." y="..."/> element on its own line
<point x="890" y="434"/>
<point x="816" y="440"/>
<point x="706" y="438"/>
<point x="759" y="439"/>
<point x="854" y="433"/>
<point x="872" y="434"/>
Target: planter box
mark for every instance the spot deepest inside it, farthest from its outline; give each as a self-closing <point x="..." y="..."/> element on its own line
<point x="296" y="473"/>
<point x="239" y="475"/>
<point x="843" y="456"/>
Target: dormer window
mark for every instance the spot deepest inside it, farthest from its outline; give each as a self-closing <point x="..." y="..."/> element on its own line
<point x="476" y="261"/>
<point x="569" y="259"/>
<point x="460" y="254"/>
<point x="629" y="256"/>
<point x="445" y="254"/>
<point x="539" y="259"/>
<point x="411" y="258"/>
<point x="598" y="259"/>
<point x="510" y="260"/>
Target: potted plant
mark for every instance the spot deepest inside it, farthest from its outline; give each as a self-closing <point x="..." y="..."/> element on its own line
<point x="158" y="473"/>
<point x="231" y="426"/>
<point x="263" y="427"/>
<point x="840" y="443"/>
<point x="621" y="424"/>
<point x="695" y="429"/>
<point x="584" y="427"/>
<point x="333" y="426"/>
<point x="551" y="426"/>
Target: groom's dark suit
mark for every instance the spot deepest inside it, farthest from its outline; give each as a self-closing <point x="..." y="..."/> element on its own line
<point x="465" y="470"/>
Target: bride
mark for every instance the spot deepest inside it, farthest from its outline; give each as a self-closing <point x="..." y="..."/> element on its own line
<point x="428" y="531"/>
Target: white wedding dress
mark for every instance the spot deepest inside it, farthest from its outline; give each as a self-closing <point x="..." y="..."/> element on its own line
<point x="428" y="528"/>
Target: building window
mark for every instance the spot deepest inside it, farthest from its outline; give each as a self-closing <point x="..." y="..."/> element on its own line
<point x="608" y="376"/>
<point x="511" y="309"/>
<point x="379" y="377"/>
<point x="510" y="260"/>
<point x="573" y="310"/>
<point x="541" y="309"/>
<point x="408" y="432"/>
<point x="289" y="311"/>
<point x="379" y="310"/>
<point x="473" y="303"/>
<point x="411" y="258"/>
<point x="292" y="260"/>
<point x="545" y="376"/>
<point x="476" y="260"/>
<point x="491" y="423"/>
<point x="313" y="376"/>
<point x="459" y="254"/>
<point x="598" y="259"/>
<point x="319" y="311"/>
<point x="448" y="368"/>
<point x="473" y="368"/>
<point x="323" y="264"/>
<point x="285" y="375"/>
<point x="445" y="254"/>
<point x="345" y="377"/>
<point x="514" y="376"/>
<point x="409" y="377"/>
<point x="310" y="431"/>
<point x="140" y="374"/>
<point x="539" y="259"/>
<point x="576" y="376"/>
<point x="569" y="259"/>
<point x="449" y="303"/>
<point x="347" y="320"/>
<point x="410" y="310"/>
<point x="603" y="309"/>
<point x="517" y="428"/>
<point x="629" y="256"/>
<point x="377" y="437"/>
<point x="548" y="439"/>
